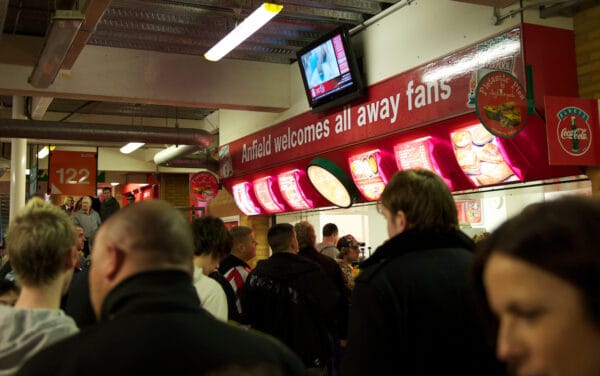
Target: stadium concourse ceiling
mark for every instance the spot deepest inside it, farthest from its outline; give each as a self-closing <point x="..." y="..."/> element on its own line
<point x="188" y="27"/>
<point x="184" y="27"/>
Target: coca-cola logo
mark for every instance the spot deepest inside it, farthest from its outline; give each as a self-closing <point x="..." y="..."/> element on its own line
<point x="573" y="131"/>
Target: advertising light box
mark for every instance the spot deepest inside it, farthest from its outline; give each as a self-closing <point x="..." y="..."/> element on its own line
<point x="331" y="182"/>
<point x="263" y="189"/>
<point x="290" y="185"/>
<point x="244" y="200"/>
<point x="481" y="157"/>
<point x="416" y="154"/>
<point x="366" y="171"/>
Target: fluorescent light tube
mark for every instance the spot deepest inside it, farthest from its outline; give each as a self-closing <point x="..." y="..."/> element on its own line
<point x="132" y="146"/>
<point x="43" y="153"/>
<point x="249" y="26"/>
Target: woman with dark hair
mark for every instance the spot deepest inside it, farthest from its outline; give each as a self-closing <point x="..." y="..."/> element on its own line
<point x="538" y="277"/>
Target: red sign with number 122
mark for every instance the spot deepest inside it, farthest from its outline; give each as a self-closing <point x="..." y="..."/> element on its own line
<point x="72" y="173"/>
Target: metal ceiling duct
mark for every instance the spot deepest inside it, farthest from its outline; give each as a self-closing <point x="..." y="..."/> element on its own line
<point x="52" y="130"/>
<point x="173" y="152"/>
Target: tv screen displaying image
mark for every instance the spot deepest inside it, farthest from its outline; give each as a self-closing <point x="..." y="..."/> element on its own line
<point x="330" y="71"/>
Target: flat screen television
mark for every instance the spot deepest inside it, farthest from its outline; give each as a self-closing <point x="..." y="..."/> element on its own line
<point x="330" y="71"/>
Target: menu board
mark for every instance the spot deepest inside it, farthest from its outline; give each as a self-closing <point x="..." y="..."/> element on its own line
<point x="242" y="198"/>
<point x="291" y="190"/>
<point x="480" y="156"/>
<point x="263" y="189"/>
<point x="414" y="154"/>
<point x="366" y="173"/>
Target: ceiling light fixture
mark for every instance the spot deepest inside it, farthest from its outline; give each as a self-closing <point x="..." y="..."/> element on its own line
<point x="130" y="147"/>
<point x="64" y="27"/>
<point x="263" y="14"/>
<point x="43" y="153"/>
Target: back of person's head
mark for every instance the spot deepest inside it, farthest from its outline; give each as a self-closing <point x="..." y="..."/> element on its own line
<point x="239" y="234"/>
<point x="305" y="233"/>
<point x="39" y="240"/>
<point x="424" y="198"/>
<point x="153" y="231"/>
<point x="561" y="237"/>
<point x="280" y="237"/>
<point x="330" y="229"/>
<point x="211" y="237"/>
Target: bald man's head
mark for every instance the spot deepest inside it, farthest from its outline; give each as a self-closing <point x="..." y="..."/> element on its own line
<point x="152" y="227"/>
<point x="150" y="235"/>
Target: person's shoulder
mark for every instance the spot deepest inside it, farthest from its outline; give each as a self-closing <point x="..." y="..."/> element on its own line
<point x="270" y="350"/>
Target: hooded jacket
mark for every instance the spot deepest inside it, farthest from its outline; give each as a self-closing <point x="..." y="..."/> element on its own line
<point x="24" y="332"/>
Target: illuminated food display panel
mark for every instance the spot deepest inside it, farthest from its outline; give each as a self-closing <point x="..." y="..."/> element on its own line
<point x="416" y="154"/>
<point x="480" y="156"/>
<point x="367" y="175"/>
<point x="263" y="189"/>
<point x="291" y="190"/>
<point x="243" y="199"/>
<point x="331" y="182"/>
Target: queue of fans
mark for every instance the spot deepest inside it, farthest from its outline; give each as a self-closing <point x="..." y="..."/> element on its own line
<point x="164" y="296"/>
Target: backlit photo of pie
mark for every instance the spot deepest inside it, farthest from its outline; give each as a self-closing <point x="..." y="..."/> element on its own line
<point x="479" y="156"/>
<point x="461" y="139"/>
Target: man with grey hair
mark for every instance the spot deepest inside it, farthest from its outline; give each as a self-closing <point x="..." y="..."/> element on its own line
<point x="150" y="318"/>
<point x="89" y="220"/>
<point x="41" y="246"/>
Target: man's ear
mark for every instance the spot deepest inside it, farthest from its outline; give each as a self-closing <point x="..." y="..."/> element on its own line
<point x="114" y="261"/>
<point x="71" y="258"/>
<point x="400" y="221"/>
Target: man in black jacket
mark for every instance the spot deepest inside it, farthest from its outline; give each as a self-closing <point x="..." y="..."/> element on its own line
<point x="413" y="309"/>
<point x="289" y="297"/>
<point x="150" y="319"/>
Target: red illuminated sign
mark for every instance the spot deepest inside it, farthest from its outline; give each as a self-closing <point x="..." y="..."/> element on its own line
<point x="480" y="156"/>
<point x="243" y="199"/>
<point x="72" y="173"/>
<point x="291" y="190"/>
<point x="427" y="94"/>
<point x="263" y="189"/>
<point x="367" y="175"/>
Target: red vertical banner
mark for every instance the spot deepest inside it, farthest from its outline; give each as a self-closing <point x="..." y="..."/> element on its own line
<point x="573" y="131"/>
<point x="72" y="173"/>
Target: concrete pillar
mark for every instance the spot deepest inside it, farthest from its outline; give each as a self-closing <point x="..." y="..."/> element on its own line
<point x="18" y="162"/>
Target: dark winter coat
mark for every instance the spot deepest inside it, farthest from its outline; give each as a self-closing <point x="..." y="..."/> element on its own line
<point x="289" y="297"/>
<point x="152" y="323"/>
<point x="108" y="208"/>
<point x="334" y="272"/>
<point x="413" y="310"/>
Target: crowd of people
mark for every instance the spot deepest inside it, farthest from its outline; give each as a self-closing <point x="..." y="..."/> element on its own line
<point x="162" y="295"/>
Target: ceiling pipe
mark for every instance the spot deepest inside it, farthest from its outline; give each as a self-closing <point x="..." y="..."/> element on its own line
<point x="209" y="164"/>
<point x="52" y="130"/>
<point x="173" y="152"/>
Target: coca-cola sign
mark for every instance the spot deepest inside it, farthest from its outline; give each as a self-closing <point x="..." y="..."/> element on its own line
<point x="572" y="131"/>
